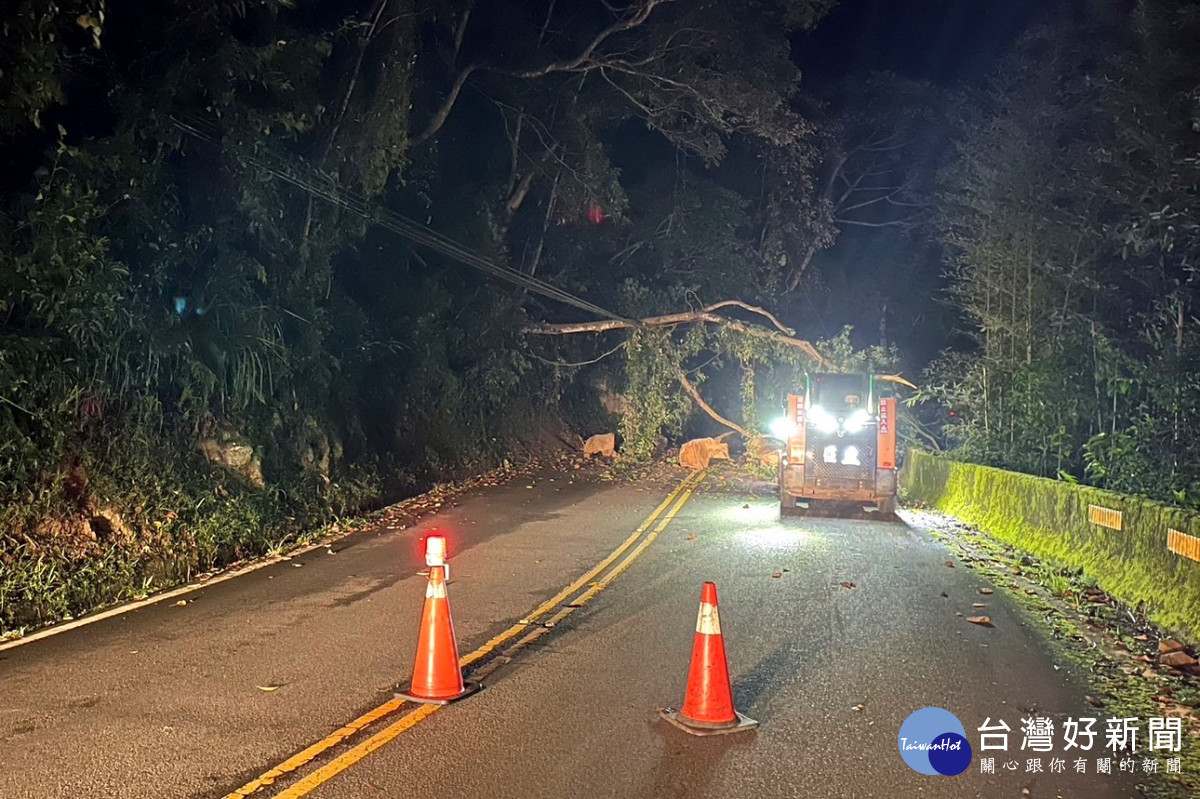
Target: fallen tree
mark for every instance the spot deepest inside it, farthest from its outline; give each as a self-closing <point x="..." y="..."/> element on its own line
<point x="658" y="348"/>
<point x="666" y="391"/>
<point x="706" y="315"/>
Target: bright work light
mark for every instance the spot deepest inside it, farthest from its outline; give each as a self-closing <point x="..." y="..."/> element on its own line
<point x="783" y="428"/>
<point x="822" y="419"/>
<point x="857" y="420"/>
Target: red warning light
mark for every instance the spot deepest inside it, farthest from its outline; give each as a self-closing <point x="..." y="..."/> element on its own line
<point x="595" y="214"/>
<point x="435" y="550"/>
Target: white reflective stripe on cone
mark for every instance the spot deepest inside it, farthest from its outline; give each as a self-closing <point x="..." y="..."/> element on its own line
<point x="708" y="621"/>
<point x="435" y="590"/>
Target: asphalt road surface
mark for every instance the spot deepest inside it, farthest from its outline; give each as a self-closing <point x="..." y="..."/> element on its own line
<point x="836" y="631"/>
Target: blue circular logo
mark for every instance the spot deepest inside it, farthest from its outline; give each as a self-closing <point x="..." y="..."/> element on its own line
<point x="934" y="741"/>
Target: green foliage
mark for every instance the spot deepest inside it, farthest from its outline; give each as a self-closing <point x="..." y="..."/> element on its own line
<point x="159" y="295"/>
<point x="32" y="42"/>
<point x="843" y="356"/>
<point x="165" y="296"/>
<point x="1049" y="519"/>
<point x="1069" y="216"/>
<point x="658" y="405"/>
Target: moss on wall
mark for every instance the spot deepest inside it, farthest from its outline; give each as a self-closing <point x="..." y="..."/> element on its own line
<point x="1049" y="519"/>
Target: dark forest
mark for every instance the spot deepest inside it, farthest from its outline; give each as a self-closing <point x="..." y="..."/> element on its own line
<point x="267" y="264"/>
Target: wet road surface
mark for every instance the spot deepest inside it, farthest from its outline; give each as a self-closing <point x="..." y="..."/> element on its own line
<point x="168" y="701"/>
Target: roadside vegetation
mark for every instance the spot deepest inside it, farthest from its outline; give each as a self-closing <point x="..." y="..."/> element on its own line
<point x="223" y="324"/>
<point x="203" y="357"/>
<point x="1113" y="646"/>
<point x="1069" y="218"/>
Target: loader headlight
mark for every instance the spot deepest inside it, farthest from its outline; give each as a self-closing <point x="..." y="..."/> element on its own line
<point x="783" y="428"/>
<point x="822" y="419"/>
<point x="857" y="421"/>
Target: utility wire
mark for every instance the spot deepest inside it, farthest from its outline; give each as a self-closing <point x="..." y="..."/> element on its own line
<point x="326" y="188"/>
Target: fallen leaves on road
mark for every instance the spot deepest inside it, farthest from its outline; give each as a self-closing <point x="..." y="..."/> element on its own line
<point x="180" y="603"/>
<point x="1131" y="661"/>
<point x="945" y="594"/>
<point x="982" y="621"/>
<point x="847" y="585"/>
<point x="949" y="564"/>
<point x="777" y="574"/>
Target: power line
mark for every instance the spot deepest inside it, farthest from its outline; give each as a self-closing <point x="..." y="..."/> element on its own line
<point x="326" y="188"/>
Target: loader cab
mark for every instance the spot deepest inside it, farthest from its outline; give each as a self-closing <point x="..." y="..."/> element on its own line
<point x="841" y="422"/>
<point x="841" y="446"/>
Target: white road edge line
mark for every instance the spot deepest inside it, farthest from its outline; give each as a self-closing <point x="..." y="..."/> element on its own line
<point x="182" y="590"/>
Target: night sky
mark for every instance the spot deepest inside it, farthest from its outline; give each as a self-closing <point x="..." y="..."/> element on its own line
<point x="943" y="41"/>
<point x="953" y="44"/>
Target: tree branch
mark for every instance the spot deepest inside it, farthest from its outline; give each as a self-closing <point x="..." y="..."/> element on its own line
<point x="704" y="406"/>
<point x="620" y="26"/>
<point x="687" y="317"/>
<point x="461" y="29"/>
<point x="753" y="309"/>
<point x="797" y="272"/>
<point x="892" y="223"/>
<point x="566" y="365"/>
<point x="443" y="113"/>
<point x="364" y="41"/>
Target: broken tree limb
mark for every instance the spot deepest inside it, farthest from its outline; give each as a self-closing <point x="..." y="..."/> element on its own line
<point x="705" y="315"/>
<point x="896" y="379"/>
<point x="704" y="406"/>
<point x="911" y="423"/>
<point x="752" y="309"/>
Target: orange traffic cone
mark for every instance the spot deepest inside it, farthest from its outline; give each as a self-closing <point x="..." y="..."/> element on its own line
<point x="437" y="677"/>
<point x="708" y="706"/>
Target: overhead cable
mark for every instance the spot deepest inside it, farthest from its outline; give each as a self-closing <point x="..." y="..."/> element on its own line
<point x="326" y="188"/>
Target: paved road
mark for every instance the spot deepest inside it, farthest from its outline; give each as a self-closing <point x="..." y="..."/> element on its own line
<point x="163" y="701"/>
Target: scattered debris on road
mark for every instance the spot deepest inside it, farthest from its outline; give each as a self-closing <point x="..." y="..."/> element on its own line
<point x="1135" y="668"/>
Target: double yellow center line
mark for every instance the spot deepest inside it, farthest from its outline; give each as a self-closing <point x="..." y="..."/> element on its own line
<point x="675" y="501"/>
